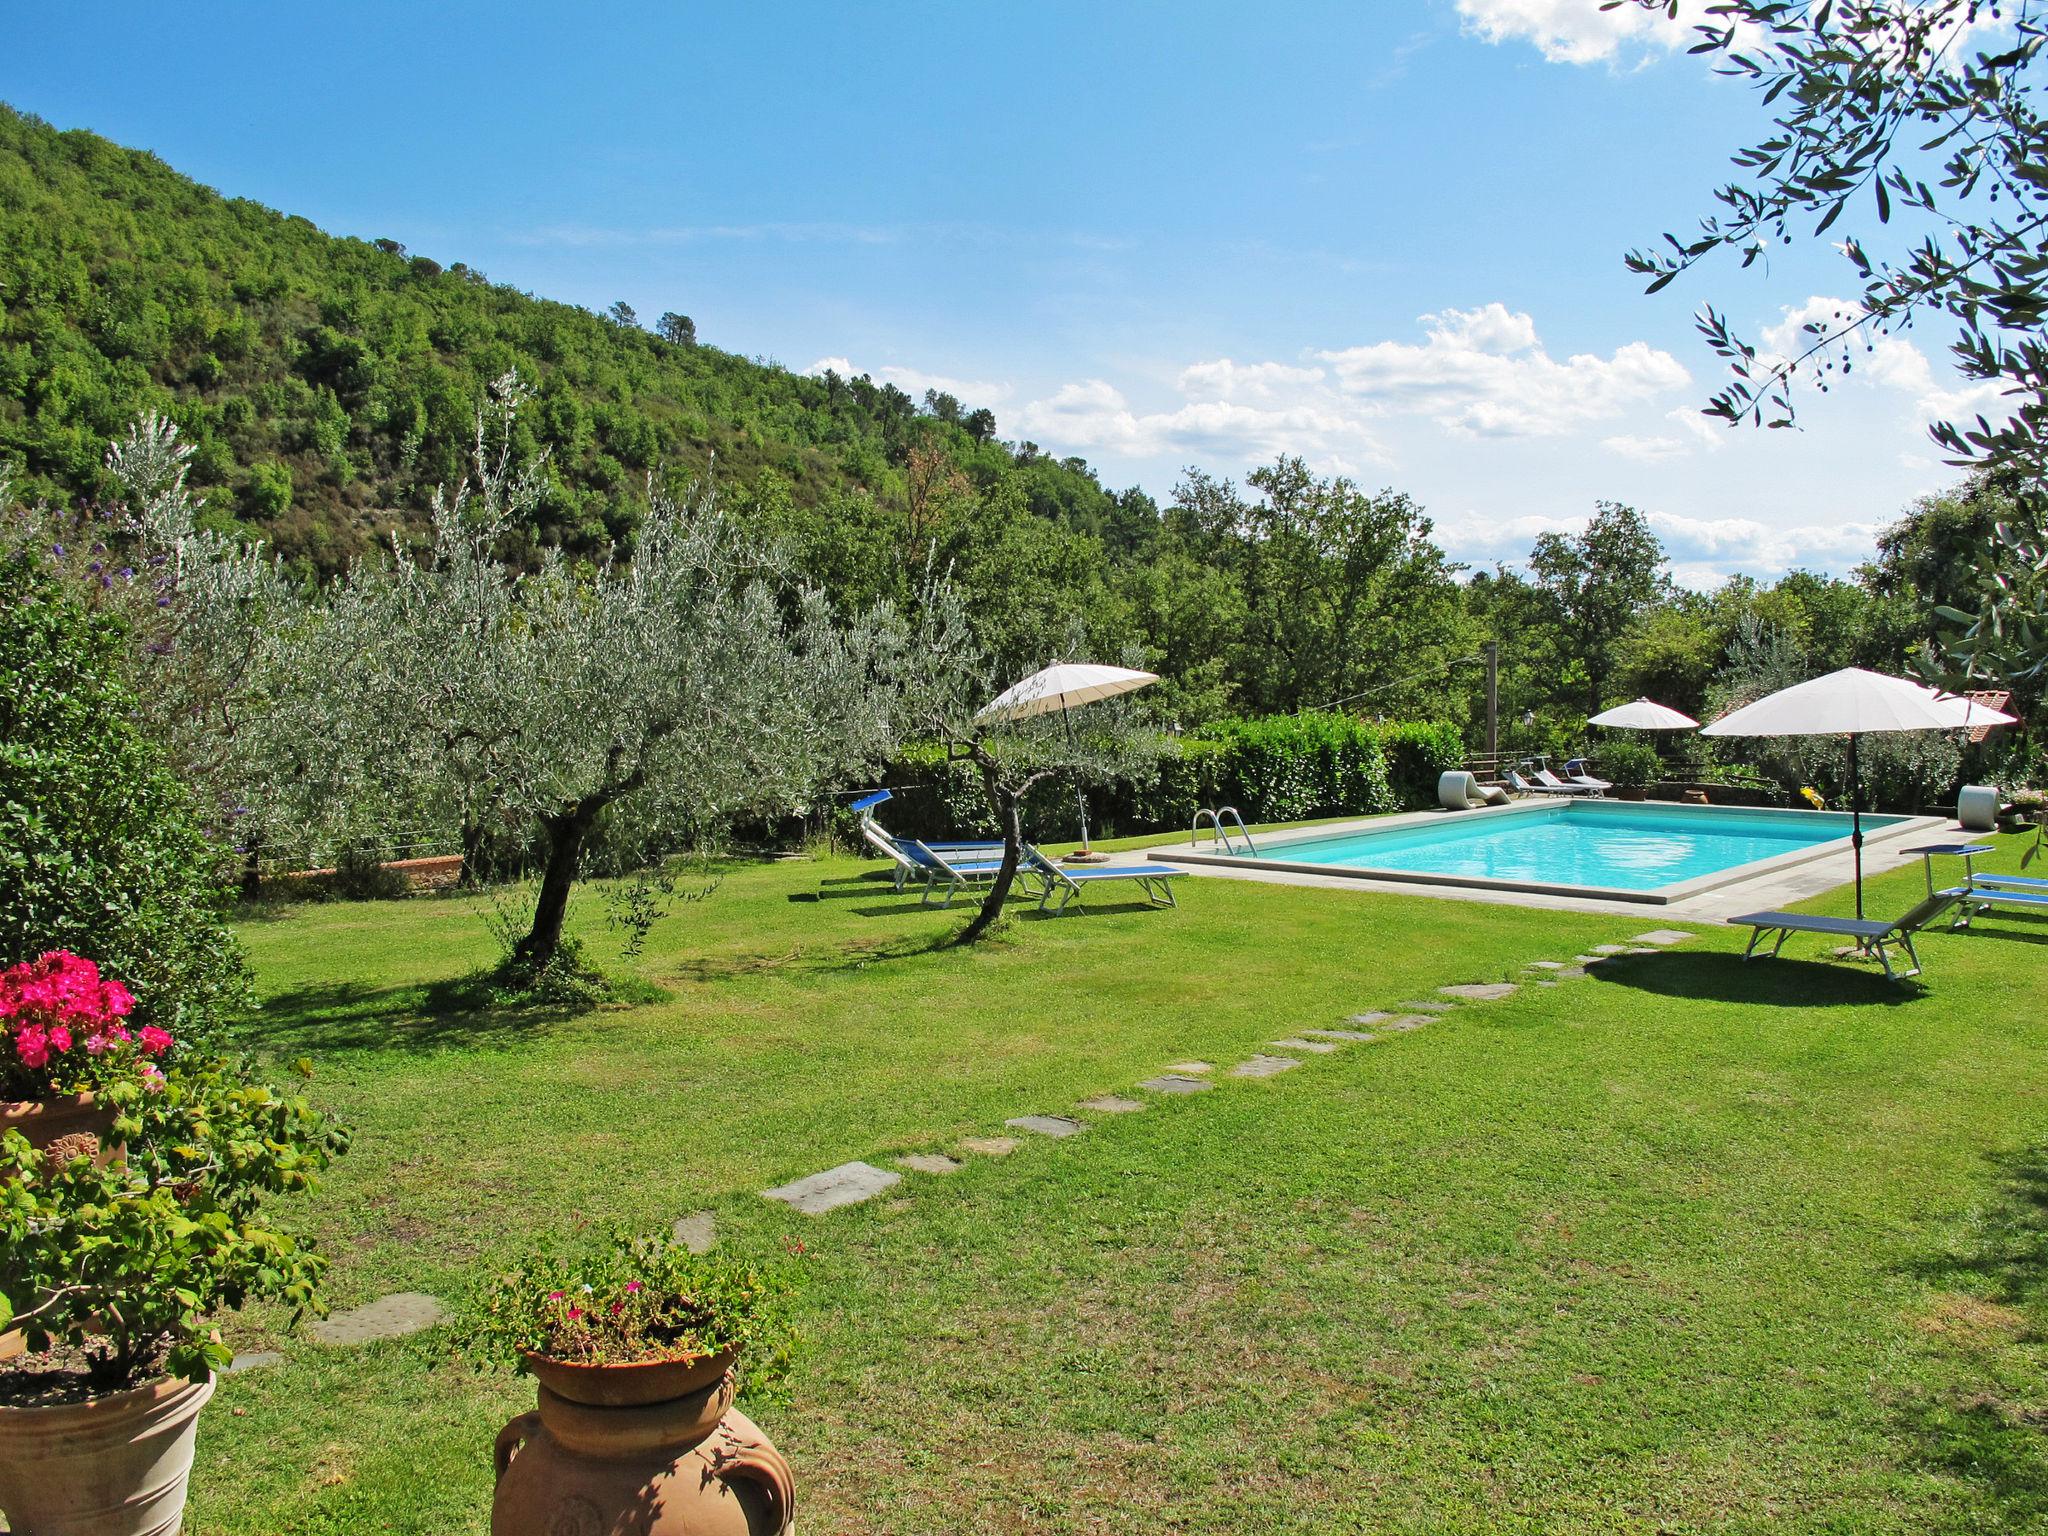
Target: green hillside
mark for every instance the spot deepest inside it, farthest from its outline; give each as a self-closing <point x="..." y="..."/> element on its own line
<point x="329" y="383"/>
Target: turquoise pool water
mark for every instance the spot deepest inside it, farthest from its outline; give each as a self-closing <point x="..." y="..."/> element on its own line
<point x="1612" y="844"/>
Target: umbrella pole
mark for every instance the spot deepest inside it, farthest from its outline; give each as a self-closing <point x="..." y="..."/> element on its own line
<point x="1080" y="798"/>
<point x="1856" y="821"/>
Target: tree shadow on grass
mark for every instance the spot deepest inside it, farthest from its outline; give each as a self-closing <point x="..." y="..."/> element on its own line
<point x="1718" y="976"/>
<point x="1989" y="1438"/>
<point x="347" y="1016"/>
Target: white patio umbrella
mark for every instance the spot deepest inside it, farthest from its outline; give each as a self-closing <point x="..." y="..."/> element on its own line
<point x="1644" y="715"/>
<point x="1062" y="687"/>
<point x="1853" y="703"/>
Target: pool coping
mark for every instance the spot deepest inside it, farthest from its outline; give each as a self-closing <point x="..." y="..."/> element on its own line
<point x="1683" y="892"/>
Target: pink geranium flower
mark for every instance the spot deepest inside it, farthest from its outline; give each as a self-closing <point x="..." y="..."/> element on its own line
<point x="156" y="1041"/>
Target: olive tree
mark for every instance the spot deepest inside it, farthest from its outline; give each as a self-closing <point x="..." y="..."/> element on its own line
<point x="1908" y="133"/>
<point x="688" y="681"/>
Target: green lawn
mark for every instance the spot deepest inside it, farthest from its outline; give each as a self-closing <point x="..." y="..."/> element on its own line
<point x="1682" y="1246"/>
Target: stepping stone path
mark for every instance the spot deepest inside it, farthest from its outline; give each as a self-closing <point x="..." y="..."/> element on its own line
<point x="1572" y="972"/>
<point x="1412" y="1021"/>
<point x="1642" y="949"/>
<point x="1345" y="1034"/>
<point x="994" y="1146"/>
<point x="929" y="1162"/>
<point x="1662" y="936"/>
<point x="1432" y="1005"/>
<point x="1046" y="1125"/>
<point x="1112" y="1104"/>
<point x="1319" y="1047"/>
<point x="254" y="1360"/>
<point x="1480" y="991"/>
<point x="388" y="1317"/>
<point x="1264" y="1066"/>
<point x="698" y="1231"/>
<point x="1544" y="965"/>
<point x="1610" y="949"/>
<point x="1190" y="1068"/>
<point x="848" y="1184"/>
<point x="1359" y="1018"/>
<point x="1175" y="1082"/>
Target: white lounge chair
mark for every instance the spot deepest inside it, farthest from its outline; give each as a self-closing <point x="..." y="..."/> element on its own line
<point x="1459" y="790"/>
<point x="1068" y="884"/>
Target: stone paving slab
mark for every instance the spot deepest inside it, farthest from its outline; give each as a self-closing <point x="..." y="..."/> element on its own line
<point x="388" y="1317"/>
<point x="1190" y="1068"/>
<point x="698" y="1231"/>
<point x="1586" y="959"/>
<point x="254" y="1360"/>
<point x="990" y="1146"/>
<point x="1046" y="1125"/>
<point x="1174" y="1082"/>
<point x="1428" y="1005"/>
<point x="1408" y="1022"/>
<point x="1363" y="1018"/>
<point x="848" y="1184"/>
<point x="1547" y="983"/>
<point x="1264" y="1066"/>
<point x="1480" y="991"/>
<point x="1663" y="936"/>
<point x="1344" y="1034"/>
<point x="1295" y="1043"/>
<point x="1112" y="1104"/>
<point x="1544" y="965"/>
<point x="1642" y="949"/>
<point x="1572" y="972"/>
<point x="1610" y="949"/>
<point x="928" y="1162"/>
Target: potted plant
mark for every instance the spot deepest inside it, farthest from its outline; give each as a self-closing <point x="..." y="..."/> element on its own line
<point x="66" y="1039"/>
<point x="114" y="1268"/>
<point x="1631" y="766"/>
<point x="638" y="1347"/>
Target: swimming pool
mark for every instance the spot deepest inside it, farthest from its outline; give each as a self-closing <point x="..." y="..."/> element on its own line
<point x="1635" y="850"/>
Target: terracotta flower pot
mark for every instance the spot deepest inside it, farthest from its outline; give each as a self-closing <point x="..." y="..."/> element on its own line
<point x="629" y="1386"/>
<point x="616" y="1461"/>
<point x="74" y="1119"/>
<point x="112" y="1466"/>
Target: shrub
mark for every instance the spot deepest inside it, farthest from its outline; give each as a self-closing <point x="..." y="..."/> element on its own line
<point x="1418" y="754"/>
<point x="1630" y="763"/>
<point x="100" y="852"/>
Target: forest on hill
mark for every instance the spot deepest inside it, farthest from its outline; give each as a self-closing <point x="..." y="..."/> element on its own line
<point x="328" y="385"/>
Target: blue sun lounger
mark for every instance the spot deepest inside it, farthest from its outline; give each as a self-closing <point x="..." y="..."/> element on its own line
<point x="1989" y="893"/>
<point x="1067" y="883"/>
<point x="1870" y="935"/>
<point x="951" y="872"/>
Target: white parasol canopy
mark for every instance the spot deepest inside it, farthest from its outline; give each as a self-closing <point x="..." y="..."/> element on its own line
<point x="1062" y="687"/>
<point x="1853" y="703"/>
<point x="1644" y="715"/>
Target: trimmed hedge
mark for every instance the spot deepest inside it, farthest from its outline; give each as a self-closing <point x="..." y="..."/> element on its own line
<point x="1277" y="768"/>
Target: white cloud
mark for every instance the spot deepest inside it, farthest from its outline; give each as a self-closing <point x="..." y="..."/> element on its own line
<point x="1092" y="416"/>
<point x="1476" y="372"/>
<point x="1582" y="32"/>
<point x="1485" y="372"/>
<point x="1226" y="380"/>
<point x="914" y="381"/>
<point x="1577" y="31"/>
<point x="1890" y="362"/>
<point x="1705" y="551"/>
<point x="1646" y="449"/>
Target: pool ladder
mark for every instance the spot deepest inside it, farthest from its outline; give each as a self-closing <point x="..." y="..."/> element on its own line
<point x="1216" y="820"/>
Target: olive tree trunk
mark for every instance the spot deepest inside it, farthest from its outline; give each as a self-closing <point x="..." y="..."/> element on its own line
<point x="1003" y="801"/>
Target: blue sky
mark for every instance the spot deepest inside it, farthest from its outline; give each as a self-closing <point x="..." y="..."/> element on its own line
<point x="1385" y="237"/>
